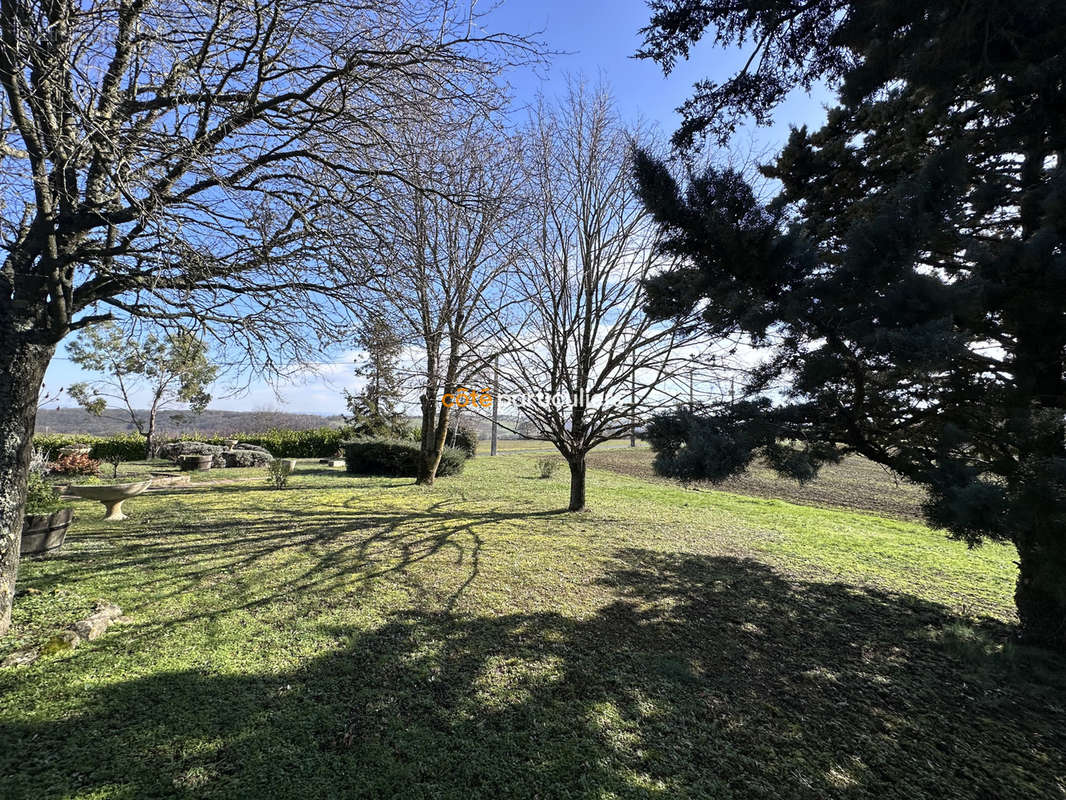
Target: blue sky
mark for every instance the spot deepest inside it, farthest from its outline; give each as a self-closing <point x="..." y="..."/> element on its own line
<point x="598" y="39"/>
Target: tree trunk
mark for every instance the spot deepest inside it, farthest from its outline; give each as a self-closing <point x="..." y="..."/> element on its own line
<point x="1041" y="591"/>
<point x="433" y="448"/>
<point x="149" y="436"/>
<point x="20" y="385"/>
<point x="429" y="401"/>
<point x="577" y="483"/>
<point x="433" y="437"/>
<point x="426" y="469"/>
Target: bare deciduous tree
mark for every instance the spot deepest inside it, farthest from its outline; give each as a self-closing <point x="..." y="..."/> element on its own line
<point x="187" y="161"/>
<point x="579" y="343"/>
<point x="449" y="256"/>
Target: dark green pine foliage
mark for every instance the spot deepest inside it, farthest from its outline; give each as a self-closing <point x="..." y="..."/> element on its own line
<point x="376" y="409"/>
<point x="910" y="277"/>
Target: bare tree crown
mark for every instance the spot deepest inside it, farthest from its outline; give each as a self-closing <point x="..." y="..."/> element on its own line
<point x="175" y="159"/>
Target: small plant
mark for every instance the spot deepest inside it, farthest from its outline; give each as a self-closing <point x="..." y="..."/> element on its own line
<point x="75" y="464"/>
<point x="277" y="474"/>
<point x="40" y="462"/>
<point x="41" y="496"/>
<point x="114" y="452"/>
<point x="547" y="466"/>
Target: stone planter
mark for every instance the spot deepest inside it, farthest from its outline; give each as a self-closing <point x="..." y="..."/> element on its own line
<point x="42" y="533"/>
<point x="194" y="463"/>
<point x="288" y="465"/>
<point x="111" y="496"/>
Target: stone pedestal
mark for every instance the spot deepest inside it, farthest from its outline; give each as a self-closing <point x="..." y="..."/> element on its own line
<point x="111" y="496"/>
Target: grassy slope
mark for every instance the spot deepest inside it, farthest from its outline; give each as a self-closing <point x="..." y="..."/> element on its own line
<point x="368" y="638"/>
<point x="854" y="484"/>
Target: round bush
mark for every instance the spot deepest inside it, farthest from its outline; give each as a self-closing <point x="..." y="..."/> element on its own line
<point x="247" y="458"/>
<point x="395" y="458"/>
<point x="253" y="447"/>
<point x="75" y="464"/>
<point x="464" y="439"/>
<point x="175" y="450"/>
<point x="452" y="461"/>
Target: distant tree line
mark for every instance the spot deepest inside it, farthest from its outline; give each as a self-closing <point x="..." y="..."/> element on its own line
<point x="179" y="422"/>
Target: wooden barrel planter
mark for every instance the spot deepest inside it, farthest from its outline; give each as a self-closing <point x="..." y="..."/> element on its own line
<point x="42" y="533"/>
<point x="193" y="463"/>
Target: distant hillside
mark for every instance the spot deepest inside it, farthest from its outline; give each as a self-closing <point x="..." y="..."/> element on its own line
<point x="173" y="423"/>
<point x="210" y="422"/>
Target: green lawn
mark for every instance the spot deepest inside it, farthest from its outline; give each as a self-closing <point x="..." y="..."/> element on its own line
<point x="511" y="445"/>
<point x="139" y="470"/>
<point x="354" y="637"/>
<point x="854" y="484"/>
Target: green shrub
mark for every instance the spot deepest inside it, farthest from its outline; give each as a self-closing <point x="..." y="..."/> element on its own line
<point x="547" y="465"/>
<point x="452" y="461"/>
<point x="284" y="443"/>
<point x="281" y="443"/>
<point x="54" y="442"/>
<point x="380" y="457"/>
<point x="114" y="452"/>
<point x="395" y="458"/>
<point x="407" y="432"/>
<point x="41" y="496"/>
<point x="124" y="447"/>
<point x="277" y="474"/>
<point x="464" y="439"/>
<point x="130" y="445"/>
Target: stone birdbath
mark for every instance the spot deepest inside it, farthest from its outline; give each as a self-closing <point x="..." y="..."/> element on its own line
<point x="111" y="496"/>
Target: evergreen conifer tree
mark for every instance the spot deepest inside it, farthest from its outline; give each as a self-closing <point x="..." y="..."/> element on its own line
<point x="375" y="410"/>
<point x="911" y="276"/>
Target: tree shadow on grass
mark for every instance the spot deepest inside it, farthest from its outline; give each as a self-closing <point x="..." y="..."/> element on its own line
<point x="703" y="678"/>
<point x="323" y="552"/>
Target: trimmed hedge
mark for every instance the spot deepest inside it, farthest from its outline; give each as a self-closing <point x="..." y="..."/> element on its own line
<point x="129" y="445"/>
<point x="284" y="443"/>
<point x="395" y="458"/>
<point x="281" y="443"/>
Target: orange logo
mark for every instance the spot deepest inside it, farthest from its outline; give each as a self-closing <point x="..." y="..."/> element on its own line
<point x="468" y="397"/>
